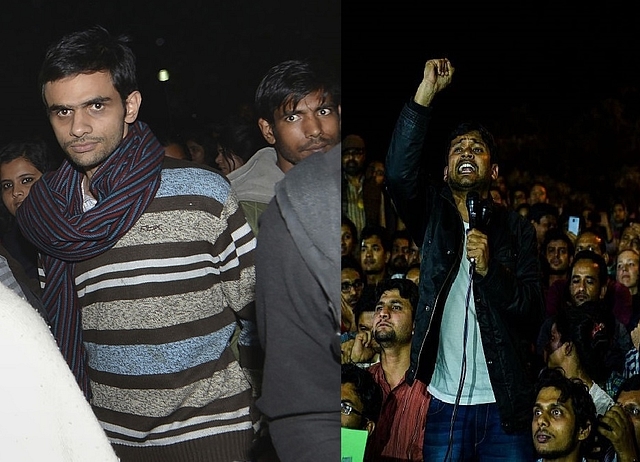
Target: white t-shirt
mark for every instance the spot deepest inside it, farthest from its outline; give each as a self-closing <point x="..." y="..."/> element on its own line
<point x="448" y="369"/>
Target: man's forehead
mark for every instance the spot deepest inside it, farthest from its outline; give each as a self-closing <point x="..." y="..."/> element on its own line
<point x="632" y="396"/>
<point x="472" y="136"/>
<point x="312" y="101"/>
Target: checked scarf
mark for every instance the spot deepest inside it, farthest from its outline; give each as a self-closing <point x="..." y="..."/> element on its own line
<point x="52" y="218"/>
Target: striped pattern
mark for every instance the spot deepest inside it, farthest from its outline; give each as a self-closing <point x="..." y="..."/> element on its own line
<point x="52" y="218"/>
<point x="158" y="313"/>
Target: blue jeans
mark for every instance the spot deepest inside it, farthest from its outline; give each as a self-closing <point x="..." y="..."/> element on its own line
<point x="477" y="435"/>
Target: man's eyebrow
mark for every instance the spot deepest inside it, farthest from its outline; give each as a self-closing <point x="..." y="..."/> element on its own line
<point x="469" y="138"/>
<point x="99" y="99"/>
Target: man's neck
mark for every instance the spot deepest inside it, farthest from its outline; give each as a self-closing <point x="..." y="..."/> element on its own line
<point x="395" y="361"/>
<point x="375" y="278"/>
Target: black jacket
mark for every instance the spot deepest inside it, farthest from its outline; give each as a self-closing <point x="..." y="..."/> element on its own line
<point x="508" y="299"/>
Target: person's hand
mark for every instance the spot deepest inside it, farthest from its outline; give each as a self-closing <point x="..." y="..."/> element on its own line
<point x="436" y="77"/>
<point x="348" y="317"/>
<point x="358" y="349"/>
<point x="635" y="336"/>
<point x="478" y="250"/>
<point x="621" y="433"/>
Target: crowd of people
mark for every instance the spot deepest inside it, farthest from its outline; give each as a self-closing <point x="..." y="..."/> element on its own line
<point x="141" y="256"/>
<point x="493" y="329"/>
<point x="190" y="283"/>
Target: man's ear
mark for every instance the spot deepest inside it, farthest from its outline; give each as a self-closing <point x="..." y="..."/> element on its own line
<point x="583" y="433"/>
<point x="132" y="106"/>
<point x="267" y="131"/>
<point x="568" y="348"/>
<point x="445" y="174"/>
<point x="370" y="426"/>
<point x="494" y="171"/>
<point x="603" y="291"/>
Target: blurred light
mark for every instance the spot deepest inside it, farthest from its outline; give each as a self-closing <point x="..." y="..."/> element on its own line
<point x="163" y="75"/>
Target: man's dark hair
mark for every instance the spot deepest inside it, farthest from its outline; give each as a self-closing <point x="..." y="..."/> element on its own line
<point x="558" y="234"/>
<point x="88" y="51"/>
<point x="470" y="126"/>
<point x="542" y="209"/>
<point x="349" y="261"/>
<point x="630" y="384"/>
<point x="401" y="234"/>
<point x="603" y="275"/>
<point x="590" y="329"/>
<point x="289" y="82"/>
<point x="406" y="288"/>
<point x="367" y="389"/>
<point x="572" y="389"/>
<point x="377" y="230"/>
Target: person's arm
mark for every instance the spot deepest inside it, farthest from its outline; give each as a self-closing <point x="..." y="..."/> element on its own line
<point x="403" y="161"/>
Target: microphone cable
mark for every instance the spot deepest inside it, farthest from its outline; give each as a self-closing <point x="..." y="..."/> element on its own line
<point x="463" y="371"/>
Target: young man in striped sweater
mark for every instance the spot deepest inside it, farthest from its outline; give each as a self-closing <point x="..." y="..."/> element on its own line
<point x="148" y="267"/>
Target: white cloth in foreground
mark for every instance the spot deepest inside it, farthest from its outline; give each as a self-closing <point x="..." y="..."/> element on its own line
<point x="45" y="416"/>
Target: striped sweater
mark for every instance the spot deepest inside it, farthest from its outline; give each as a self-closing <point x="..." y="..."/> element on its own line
<point x="159" y="311"/>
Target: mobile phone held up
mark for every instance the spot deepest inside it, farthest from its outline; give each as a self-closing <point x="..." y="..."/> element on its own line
<point x="574" y="225"/>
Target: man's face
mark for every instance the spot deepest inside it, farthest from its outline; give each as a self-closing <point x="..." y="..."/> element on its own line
<point x="347" y="240"/>
<point x="469" y="164"/>
<point x="630" y="402"/>
<point x="373" y="257"/>
<point x="353" y="160"/>
<point x="393" y="323"/>
<point x="547" y="222"/>
<point x="558" y="256"/>
<point x="349" y="395"/>
<point x="537" y="194"/>
<point x="619" y="214"/>
<point x="297" y="132"/>
<point x="627" y="269"/>
<point x="350" y="277"/>
<point x="88" y="117"/>
<point x="399" y="254"/>
<point x="553" y="425"/>
<point x="629" y="239"/>
<point x="584" y="284"/>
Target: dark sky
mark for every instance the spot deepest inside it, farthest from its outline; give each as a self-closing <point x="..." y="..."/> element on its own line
<point x="216" y="51"/>
<point x="553" y="61"/>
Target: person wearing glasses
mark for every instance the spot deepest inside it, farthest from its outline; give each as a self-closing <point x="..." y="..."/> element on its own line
<point x="399" y="431"/>
<point x="622" y="422"/>
<point x="351" y="285"/>
<point x="360" y="399"/>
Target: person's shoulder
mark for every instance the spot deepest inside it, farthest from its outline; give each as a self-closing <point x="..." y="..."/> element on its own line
<point x="264" y="158"/>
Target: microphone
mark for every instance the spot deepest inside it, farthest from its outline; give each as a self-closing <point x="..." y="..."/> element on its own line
<point x="473" y="204"/>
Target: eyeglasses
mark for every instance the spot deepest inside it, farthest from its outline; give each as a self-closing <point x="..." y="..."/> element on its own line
<point x="346" y="285"/>
<point x="632" y="410"/>
<point x="346" y="408"/>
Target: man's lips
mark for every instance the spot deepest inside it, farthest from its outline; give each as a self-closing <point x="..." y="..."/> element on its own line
<point x="542" y="437"/>
<point x="466" y="167"/>
<point x="84" y="147"/>
<point x="317" y="148"/>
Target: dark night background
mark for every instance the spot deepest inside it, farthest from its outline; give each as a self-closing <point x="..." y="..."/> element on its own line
<point x="215" y="50"/>
<point x="558" y="86"/>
